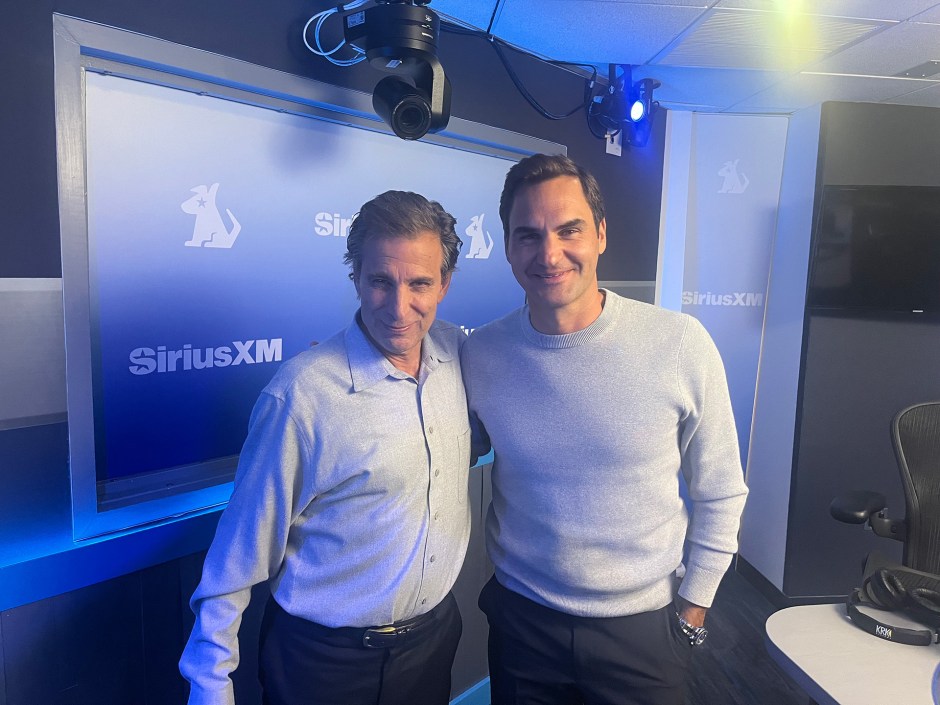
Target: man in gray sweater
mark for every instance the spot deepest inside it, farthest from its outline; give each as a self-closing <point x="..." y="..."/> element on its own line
<point x="595" y="405"/>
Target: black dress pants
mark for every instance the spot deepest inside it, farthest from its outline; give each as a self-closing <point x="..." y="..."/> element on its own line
<point x="304" y="663"/>
<point x="539" y="656"/>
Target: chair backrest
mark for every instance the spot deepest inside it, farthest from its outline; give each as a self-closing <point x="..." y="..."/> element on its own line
<point x="916" y="436"/>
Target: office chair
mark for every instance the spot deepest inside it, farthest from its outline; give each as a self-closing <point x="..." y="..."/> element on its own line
<point x="915" y="433"/>
<point x="913" y="587"/>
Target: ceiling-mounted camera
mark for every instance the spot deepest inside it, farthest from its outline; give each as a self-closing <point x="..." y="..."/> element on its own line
<point x="400" y="38"/>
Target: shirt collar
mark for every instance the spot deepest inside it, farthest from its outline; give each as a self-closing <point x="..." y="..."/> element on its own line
<point x="368" y="366"/>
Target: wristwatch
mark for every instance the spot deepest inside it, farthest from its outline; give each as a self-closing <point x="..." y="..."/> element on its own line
<point x="695" y="635"/>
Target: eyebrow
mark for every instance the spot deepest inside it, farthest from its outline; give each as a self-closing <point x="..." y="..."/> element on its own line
<point x="524" y="229"/>
<point x="384" y="274"/>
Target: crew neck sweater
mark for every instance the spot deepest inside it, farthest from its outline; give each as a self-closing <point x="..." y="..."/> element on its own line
<point x="591" y="432"/>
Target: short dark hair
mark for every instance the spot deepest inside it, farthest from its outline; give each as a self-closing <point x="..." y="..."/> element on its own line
<point x="542" y="167"/>
<point x="401" y="214"/>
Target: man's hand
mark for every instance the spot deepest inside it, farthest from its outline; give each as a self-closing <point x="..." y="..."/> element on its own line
<point x="690" y="612"/>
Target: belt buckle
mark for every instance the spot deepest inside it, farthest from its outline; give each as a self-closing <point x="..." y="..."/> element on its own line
<point x="382" y="637"/>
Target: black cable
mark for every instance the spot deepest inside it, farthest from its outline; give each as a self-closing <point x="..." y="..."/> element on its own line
<point x="524" y="91"/>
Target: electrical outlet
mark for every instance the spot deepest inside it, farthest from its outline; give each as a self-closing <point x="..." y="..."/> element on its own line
<point x="614" y="143"/>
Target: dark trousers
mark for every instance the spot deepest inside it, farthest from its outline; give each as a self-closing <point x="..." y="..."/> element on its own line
<point x="539" y="656"/>
<point x="304" y="663"/>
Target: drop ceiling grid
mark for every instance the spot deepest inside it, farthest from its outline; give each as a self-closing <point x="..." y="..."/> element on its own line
<point x="860" y="9"/>
<point x="927" y="97"/>
<point x="807" y="89"/>
<point x="760" y="40"/>
<point x="887" y="53"/>
<point x="569" y="30"/>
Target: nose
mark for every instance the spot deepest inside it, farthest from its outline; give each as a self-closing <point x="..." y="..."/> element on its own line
<point x="400" y="302"/>
<point x="549" y="251"/>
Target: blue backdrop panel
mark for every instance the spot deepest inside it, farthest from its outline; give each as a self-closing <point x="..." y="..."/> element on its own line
<point x="216" y="234"/>
<point x="732" y="219"/>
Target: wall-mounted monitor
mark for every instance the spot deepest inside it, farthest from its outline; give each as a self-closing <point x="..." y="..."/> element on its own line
<point x="204" y="205"/>
<point x="877" y="248"/>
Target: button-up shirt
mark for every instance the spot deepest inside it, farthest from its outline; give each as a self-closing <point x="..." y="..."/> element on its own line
<point x="350" y="496"/>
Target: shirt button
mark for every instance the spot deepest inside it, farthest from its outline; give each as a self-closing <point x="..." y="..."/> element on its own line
<point x="437" y="515"/>
<point x="424" y="601"/>
<point x="432" y="559"/>
<point x="437" y="472"/>
<point x="430" y="429"/>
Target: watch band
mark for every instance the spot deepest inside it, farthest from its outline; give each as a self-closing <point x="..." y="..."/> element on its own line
<point x="696" y="635"/>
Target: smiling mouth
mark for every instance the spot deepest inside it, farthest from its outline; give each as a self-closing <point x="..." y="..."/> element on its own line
<point x="550" y="276"/>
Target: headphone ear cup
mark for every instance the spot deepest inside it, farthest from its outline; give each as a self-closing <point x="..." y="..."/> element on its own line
<point x="925" y="603"/>
<point x="884" y="589"/>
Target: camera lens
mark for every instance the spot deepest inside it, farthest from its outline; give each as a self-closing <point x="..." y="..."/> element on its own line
<point x="411" y="118"/>
<point x="406" y="110"/>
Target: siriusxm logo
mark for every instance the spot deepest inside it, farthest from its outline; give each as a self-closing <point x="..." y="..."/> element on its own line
<point x="146" y="360"/>
<point x="331" y="224"/>
<point x="733" y="181"/>
<point x="738" y="298"/>
<point x="481" y="242"/>
<point x="210" y="229"/>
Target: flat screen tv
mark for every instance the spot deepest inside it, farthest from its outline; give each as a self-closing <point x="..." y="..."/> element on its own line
<point x="877" y="248"/>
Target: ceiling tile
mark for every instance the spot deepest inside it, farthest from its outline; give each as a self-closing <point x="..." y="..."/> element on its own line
<point x="763" y="40"/>
<point x="887" y="53"/>
<point x="593" y="30"/>
<point x="475" y="13"/>
<point x="705" y="89"/>
<point x="741" y="57"/>
<point x="863" y="9"/>
<point x="806" y="89"/>
<point x="931" y="15"/>
<point x="928" y="97"/>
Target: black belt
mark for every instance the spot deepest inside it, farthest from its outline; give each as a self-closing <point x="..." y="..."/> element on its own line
<point x="391" y="634"/>
<point x="378" y="637"/>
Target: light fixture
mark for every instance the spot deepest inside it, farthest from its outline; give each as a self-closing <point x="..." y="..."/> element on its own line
<point x="641" y="99"/>
<point x="400" y="37"/>
<point x="626" y="107"/>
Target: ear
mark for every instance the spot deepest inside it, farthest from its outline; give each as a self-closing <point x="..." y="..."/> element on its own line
<point x="212" y="190"/>
<point x="602" y="236"/>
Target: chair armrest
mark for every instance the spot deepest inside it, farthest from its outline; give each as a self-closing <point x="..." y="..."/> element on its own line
<point x="857" y="507"/>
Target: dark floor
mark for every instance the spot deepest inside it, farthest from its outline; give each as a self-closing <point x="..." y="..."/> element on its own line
<point x="733" y="667"/>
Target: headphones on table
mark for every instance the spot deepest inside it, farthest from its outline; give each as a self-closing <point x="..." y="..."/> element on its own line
<point x="884" y="590"/>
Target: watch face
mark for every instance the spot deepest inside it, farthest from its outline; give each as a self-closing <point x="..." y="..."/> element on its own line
<point x="696" y="635"/>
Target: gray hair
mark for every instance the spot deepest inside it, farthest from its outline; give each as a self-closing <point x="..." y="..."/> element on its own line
<point x="401" y="214"/>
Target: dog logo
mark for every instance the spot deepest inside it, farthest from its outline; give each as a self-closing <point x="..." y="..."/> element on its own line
<point x="734" y="182"/>
<point x="209" y="230"/>
<point x="479" y="249"/>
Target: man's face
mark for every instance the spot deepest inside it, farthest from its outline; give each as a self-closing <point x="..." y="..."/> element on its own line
<point x="400" y="287"/>
<point x="554" y="246"/>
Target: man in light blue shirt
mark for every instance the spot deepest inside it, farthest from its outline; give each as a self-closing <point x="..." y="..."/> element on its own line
<point x="351" y="493"/>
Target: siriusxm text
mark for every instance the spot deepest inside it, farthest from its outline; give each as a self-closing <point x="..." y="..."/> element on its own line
<point x="145" y="361"/>
<point x="334" y="224"/>
<point x="707" y="298"/>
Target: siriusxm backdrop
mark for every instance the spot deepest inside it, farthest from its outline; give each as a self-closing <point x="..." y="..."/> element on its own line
<point x="732" y="213"/>
<point x="216" y="236"/>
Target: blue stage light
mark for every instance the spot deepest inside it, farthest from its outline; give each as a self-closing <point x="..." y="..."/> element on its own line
<point x="637" y="110"/>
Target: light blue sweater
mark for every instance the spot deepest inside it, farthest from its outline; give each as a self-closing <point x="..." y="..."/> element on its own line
<point x="591" y="431"/>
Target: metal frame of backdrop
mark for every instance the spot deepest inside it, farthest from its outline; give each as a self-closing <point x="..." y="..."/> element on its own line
<point x="101" y="505"/>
